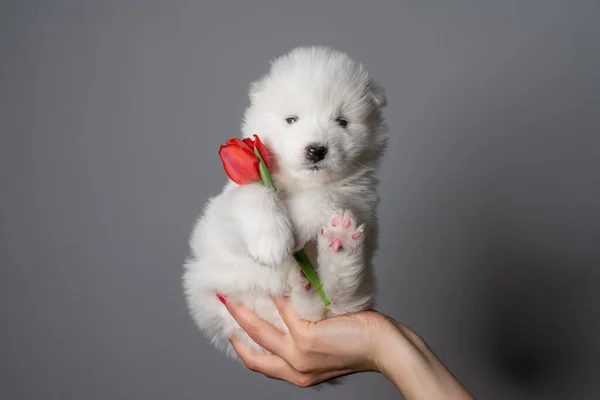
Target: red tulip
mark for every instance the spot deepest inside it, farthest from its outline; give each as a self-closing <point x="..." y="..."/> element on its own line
<point x="240" y="161"/>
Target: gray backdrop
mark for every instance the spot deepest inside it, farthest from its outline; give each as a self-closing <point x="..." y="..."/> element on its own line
<point x="111" y="116"/>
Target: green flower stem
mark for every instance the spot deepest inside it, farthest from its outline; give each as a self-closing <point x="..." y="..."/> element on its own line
<point x="300" y="255"/>
<point x="306" y="267"/>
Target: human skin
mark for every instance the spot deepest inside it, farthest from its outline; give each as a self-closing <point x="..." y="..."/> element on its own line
<point x="314" y="352"/>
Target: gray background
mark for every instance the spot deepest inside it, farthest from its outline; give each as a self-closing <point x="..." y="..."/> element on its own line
<point x="111" y="117"/>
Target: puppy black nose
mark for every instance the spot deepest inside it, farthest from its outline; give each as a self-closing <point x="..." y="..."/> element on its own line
<point x="315" y="152"/>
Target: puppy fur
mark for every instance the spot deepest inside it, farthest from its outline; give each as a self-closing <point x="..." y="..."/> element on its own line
<point x="242" y="243"/>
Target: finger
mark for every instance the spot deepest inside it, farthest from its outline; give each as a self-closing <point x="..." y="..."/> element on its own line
<point x="294" y="323"/>
<point x="257" y="362"/>
<point x="260" y="331"/>
<point x="269" y="365"/>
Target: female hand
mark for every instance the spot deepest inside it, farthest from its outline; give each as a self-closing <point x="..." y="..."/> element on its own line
<point x="312" y="352"/>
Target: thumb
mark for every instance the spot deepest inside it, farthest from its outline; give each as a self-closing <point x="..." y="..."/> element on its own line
<point x="294" y="323"/>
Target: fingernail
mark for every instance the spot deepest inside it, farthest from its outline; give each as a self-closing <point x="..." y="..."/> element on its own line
<point x="222" y="299"/>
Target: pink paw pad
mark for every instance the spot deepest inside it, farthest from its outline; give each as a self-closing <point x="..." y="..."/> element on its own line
<point x="336" y="245"/>
<point x="342" y="233"/>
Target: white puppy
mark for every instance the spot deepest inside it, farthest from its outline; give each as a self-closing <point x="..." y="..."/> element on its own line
<point x="320" y="115"/>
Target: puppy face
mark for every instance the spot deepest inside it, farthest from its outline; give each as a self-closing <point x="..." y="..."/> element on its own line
<point x="318" y="112"/>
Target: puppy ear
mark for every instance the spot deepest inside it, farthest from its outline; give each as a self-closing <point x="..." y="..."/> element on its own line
<point x="377" y="94"/>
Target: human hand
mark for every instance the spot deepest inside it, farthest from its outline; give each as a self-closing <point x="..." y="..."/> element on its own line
<point x="311" y="352"/>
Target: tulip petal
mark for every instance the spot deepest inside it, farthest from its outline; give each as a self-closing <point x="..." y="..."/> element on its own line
<point x="249" y="142"/>
<point x="240" y="164"/>
<point x="240" y="143"/>
<point x="266" y="155"/>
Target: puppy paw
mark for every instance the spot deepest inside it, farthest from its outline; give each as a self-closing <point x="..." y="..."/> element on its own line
<point x="341" y="233"/>
<point x="271" y="248"/>
<point x="303" y="281"/>
<point x="307" y="305"/>
<point x="263" y="223"/>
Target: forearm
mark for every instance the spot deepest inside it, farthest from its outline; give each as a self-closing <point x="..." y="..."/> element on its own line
<point x="406" y="360"/>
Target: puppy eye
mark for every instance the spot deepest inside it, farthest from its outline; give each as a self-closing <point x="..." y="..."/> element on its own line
<point x="342" y="122"/>
<point x="291" y="120"/>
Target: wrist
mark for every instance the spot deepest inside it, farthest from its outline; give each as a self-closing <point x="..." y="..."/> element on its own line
<point x="406" y="360"/>
<point x="389" y="342"/>
<point x="401" y="359"/>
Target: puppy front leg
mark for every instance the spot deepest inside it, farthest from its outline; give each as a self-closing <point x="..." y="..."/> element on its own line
<point x="342" y="268"/>
<point x="263" y="223"/>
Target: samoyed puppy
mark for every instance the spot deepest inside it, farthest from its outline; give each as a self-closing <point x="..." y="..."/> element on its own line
<point x="319" y="113"/>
